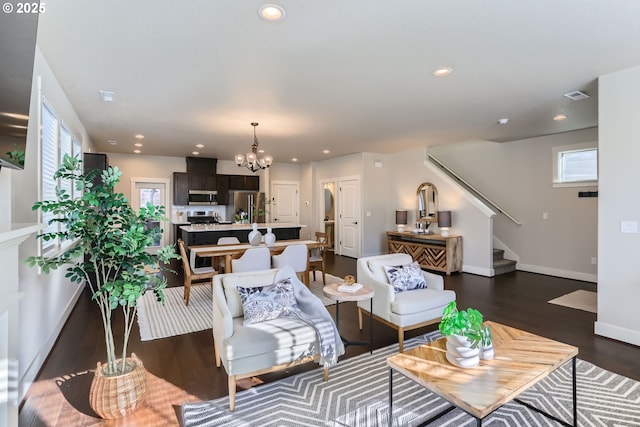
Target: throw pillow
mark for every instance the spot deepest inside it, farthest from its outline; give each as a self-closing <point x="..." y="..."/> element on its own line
<point x="262" y="303"/>
<point x="405" y="277"/>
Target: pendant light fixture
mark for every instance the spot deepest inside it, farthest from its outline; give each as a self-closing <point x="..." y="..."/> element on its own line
<point x="251" y="161"/>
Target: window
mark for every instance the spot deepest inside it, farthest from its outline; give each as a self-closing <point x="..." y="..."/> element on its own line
<point x="575" y="165"/>
<point x="56" y="141"/>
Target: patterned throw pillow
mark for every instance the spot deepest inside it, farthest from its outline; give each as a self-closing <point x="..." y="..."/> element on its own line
<point x="262" y="303"/>
<point x="405" y="277"/>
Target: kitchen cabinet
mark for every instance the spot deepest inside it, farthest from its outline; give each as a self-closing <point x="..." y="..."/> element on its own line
<point x="201" y="173"/>
<point x="222" y="186"/>
<point x="180" y="189"/>
<point x="93" y="161"/>
<point x="244" y="182"/>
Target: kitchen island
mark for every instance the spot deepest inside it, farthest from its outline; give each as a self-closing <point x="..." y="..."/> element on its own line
<point x="208" y="234"/>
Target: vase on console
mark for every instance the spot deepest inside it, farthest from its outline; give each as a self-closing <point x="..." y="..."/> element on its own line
<point x="255" y="236"/>
<point x="269" y="238"/>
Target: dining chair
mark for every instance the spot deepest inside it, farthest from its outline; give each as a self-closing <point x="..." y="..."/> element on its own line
<point x="316" y="256"/>
<point x="219" y="261"/>
<point x="296" y="256"/>
<point x="193" y="275"/>
<point x="253" y="259"/>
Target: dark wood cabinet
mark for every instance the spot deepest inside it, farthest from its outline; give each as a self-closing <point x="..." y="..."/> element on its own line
<point x="95" y="161"/>
<point x="222" y="186"/>
<point x="244" y="182"/>
<point x="202" y="173"/>
<point x="180" y="189"/>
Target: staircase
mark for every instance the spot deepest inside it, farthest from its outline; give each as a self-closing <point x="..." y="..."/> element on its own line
<point x="502" y="265"/>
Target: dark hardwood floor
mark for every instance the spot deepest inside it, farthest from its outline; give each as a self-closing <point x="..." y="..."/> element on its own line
<point x="517" y="299"/>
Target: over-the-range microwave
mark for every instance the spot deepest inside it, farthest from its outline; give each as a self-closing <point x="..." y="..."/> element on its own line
<point x="203" y="197"/>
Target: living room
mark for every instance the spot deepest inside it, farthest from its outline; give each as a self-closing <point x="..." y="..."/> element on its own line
<point x="48" y="300"/>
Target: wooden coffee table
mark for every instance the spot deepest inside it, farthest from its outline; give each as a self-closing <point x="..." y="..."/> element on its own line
<point x="521" y="360"/>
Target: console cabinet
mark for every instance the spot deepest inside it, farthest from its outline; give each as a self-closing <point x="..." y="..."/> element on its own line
<point x="431" y="251"/>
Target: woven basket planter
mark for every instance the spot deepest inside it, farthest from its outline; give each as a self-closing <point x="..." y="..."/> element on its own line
<point x="116" y="396"/>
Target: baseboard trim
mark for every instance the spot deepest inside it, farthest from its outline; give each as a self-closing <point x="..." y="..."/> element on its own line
<point x="566" y="274"/>
<point x="480" y="271"/>
<point x="617" y="333"/>
<point x="31" y="372"/>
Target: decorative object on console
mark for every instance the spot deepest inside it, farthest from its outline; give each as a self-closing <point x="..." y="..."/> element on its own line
<point x="269" y="237"/>
<point x="401" y="220"/>
<point x="251" y="161"/>
<point x="444" y="222"/>
<point x="255" y="236"/>
<point x="467" y="339"/>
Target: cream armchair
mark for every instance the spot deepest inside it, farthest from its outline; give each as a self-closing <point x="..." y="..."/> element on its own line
<point x="403" y="311"/>
<point x="255" y="349"/>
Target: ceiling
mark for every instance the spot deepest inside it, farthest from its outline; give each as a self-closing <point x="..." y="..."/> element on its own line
<point x="344" y="76"/>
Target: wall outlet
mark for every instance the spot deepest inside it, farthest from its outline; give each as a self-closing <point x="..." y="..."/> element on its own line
<point x="545" y="215"/>
<point x="629" y="227"/>
<point x="594" y="260"/>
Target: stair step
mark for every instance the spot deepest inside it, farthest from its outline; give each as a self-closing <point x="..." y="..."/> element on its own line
<point x="498" y="254"/>
<point x="504" y="266"/>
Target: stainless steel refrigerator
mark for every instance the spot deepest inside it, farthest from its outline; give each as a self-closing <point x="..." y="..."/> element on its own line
<point x="251" y="202"/>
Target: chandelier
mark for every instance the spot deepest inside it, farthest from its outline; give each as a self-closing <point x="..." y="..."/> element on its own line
<point x="251" y="161"/>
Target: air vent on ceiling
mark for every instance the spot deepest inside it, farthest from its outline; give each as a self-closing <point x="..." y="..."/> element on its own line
<point x="576" y="95"/>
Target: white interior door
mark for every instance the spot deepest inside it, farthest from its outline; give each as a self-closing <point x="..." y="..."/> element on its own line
<point x="349" y="216"/>
<point x="284" y="201"/>
<point x="154" y="191"/>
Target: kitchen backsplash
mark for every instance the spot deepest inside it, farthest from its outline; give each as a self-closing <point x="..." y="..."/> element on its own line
<point x="191" y="211"/>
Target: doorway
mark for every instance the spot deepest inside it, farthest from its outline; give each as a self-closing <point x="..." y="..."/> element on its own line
<point x="154" y="191"/>
<point x="284" y="201"/>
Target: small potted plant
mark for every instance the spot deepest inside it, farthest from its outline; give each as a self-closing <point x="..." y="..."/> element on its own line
<point x="107" y="249"/>
<point x="466" y="336"/>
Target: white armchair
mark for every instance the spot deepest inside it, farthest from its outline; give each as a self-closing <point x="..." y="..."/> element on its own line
<point x="403" y="311"/>
<point x="255" y="349"/>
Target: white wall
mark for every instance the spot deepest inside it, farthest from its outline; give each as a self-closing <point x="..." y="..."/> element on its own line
<point x="48" y="299"/>
<point x="619" y="151"/>
<point x="517" y="176"/>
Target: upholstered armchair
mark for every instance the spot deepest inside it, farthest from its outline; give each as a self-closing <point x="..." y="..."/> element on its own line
<point x="247" y="350"/>
<point x="404" y="311"/>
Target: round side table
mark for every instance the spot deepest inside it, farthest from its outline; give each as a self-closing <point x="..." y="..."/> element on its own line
<point x="331" y="291"/>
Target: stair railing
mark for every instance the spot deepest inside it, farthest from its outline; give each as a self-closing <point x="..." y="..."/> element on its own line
<point x="472" y="189"/>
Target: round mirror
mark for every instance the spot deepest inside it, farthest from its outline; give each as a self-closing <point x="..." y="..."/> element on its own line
<point x="427" y="199"/>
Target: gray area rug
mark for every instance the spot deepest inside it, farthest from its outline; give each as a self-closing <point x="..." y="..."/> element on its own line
<point x="580" y="300"/>
<point x="175" y="318"/>
<point x="356" y="395"/>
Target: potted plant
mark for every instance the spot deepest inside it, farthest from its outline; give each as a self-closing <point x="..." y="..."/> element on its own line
<point x="466" y="336"/>
<point x="107" y="242"/>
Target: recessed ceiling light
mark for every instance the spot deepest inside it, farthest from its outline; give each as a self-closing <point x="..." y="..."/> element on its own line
<point x="15" y="116"/>
<point x="503" y="121"/>
<point x="138" y="144"/>
<point x="326" y="151"/>
<point x="139" y="136"/>
<point x="137" y="151"/>
<point x="294" y="159"/>
<point x="107" y="96"/>
<point x="200" y="145"/>
<point x="112" y="142"/>
<point x="559" y="117"/>
<point x="443" y="72"/>
<point x="271" y="12"/>
<point x="195" y="153"/>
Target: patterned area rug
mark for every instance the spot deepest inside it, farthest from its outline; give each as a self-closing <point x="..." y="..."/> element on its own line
<point x="175" y="318"/>
<point x="356" y="395"/>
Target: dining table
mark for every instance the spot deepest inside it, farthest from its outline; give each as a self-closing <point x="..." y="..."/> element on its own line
<point x="235" y="250"/>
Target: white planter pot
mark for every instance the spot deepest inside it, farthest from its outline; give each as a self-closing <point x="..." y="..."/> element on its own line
<point x="460" y="353"/>
<point x="486" y="352"/>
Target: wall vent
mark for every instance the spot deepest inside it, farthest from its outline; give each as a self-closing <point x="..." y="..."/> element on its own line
<point x="576" y="95"/>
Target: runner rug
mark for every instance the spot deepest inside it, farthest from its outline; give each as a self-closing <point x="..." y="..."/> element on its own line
<point x="580" y="299"/>
<point x="175" y="318"/>
<point x="356" y="395"/>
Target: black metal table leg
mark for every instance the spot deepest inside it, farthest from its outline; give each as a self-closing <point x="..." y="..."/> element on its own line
<point x="390" y="397"/>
